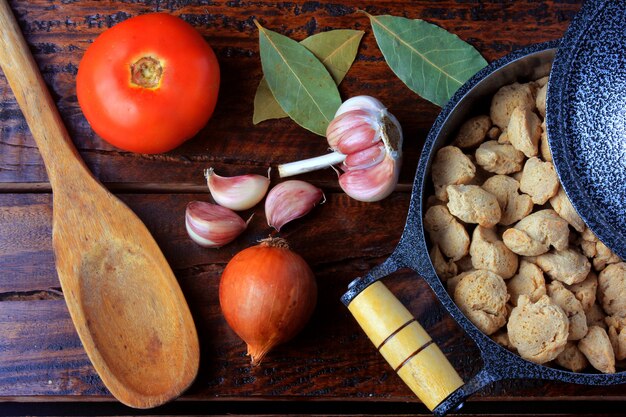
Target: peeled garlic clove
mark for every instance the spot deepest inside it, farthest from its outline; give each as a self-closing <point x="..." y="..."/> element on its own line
<point x="360" y="103"/>
<point x="353" y="131"/>
<point x="364" y="159"/>
<point x="212" y="226"/>
<point x="237" y="193"/>
<point x="372" y="184"/>
<point x="290" y="200"/>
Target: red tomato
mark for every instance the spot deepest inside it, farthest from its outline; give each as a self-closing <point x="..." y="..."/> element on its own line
<point x="148" y="84"/>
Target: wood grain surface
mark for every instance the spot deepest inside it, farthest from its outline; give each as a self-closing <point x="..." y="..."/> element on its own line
<point x="41" y="358"/>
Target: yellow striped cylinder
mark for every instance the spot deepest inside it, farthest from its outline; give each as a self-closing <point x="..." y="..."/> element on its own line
<point x="405" y="344"/>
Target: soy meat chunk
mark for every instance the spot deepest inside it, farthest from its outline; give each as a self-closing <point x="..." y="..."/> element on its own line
<point x="596" y="316"/>
<point x="544" y="146"/>
<point x="454" y="281"/>
<point x="585" y="291"/>
<point x="593" y="248"/>
<point x="490" y="253"/>
<point x="524" y="131"/>
<point x="501" y="337"/>
<point x="561" y="204"/>
<point x="617" y="335"/>
<point x="597" y="348"/>
<point x="572" y="308"/>
<point x="604" y="256"/>
<point x="494" y="132"/>
<point x="507" y="99"/>
<point x="444" y="269"/>
<point x="465" y="264"/>
<point x="540" y="101"/>
<point x="538" y="330"/>
<point x="472" y="132"/>
<point x="534" y="234"/>
<point x="481" y="296"/>
<point x="542" y="81"/>
<point x="528" y="281"/>
<point x="572" y="358"/>
<point x="568" y="266"/>
<point x="612" y="289"/>
<point x="499" y="158"/>
<point x="539" y="180"/>
<point x="472" y="204"/>
<point x="446" y="232"/>
<point x="514" y="206"/>
<point x="451" y="167"/>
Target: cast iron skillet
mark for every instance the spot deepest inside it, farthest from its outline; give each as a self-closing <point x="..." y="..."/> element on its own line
<point x="412" y="251"/>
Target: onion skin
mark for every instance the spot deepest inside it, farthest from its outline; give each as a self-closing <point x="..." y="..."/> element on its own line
<point x="267" y="295"/>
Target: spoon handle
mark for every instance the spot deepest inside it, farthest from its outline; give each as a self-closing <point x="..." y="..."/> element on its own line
<point x="57" y="150"/>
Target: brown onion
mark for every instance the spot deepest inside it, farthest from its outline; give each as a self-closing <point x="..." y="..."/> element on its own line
<point x="267" y="295"/>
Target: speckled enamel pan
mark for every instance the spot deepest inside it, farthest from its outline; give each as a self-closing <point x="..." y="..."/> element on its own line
<point x="412" y="251"/>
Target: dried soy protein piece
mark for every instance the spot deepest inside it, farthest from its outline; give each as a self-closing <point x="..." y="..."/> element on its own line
<point x="514" y="206"/>
<point x="481" y="296"/>
<point x="539" y="180"/>
<point x="490" y="253"/>
<point x="538" y="330"/>
<point x="472" y="132"/>
<point x="561" y="204"/>
<point x="472" y="204"/>
<point x="568" y="266"/>
<point x="540" y="101"/>
<point x="586" y="290"/>
<point x="572" y="358"/>
<point x="528" y="281"/>
<point x="451" y="167"/>
<point x="524" y="131"/>
<point x="597" y="348"/>
<point x="444" y="230"/>
<point x="507" y="99"/>
<point x="596" y="316"/>
<point x="534" y="234"/>
<point x="612" y="289"/>
<point x="499" y="158"/>
<point x="572" y="308"/>
<point x="617" y="335"/>
<point x="444" y="269"/>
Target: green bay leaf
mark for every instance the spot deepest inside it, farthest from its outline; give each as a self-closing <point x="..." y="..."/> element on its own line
<point x="336" y="49"/>
<point x="431" y="61"/>
<point x="298" y="80"/>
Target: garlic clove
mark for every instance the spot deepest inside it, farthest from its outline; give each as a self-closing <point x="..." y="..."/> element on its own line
<point x="212" y="226"/>
<point x="237" y="193"/>
<point x="360" y="103"/>
<point x="290" y="200"/>
<point x="371" y="184"/>
<point x="364" y="159"/>
<point x="353" y="131"/>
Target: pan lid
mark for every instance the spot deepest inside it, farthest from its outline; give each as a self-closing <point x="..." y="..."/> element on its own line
<point x="586" y="118"/>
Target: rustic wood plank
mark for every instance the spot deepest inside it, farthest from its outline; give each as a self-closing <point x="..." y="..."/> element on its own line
<point x="59" y="32"/>
<point x="333" y="233"/>
<point x="330" y="359"/>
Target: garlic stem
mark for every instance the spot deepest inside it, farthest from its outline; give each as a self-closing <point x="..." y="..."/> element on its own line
<point x="312" y="164"/>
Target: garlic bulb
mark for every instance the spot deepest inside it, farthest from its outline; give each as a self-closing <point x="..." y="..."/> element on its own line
<point x="290" y="200"/>
<point x="367" y="142"/>
<point x="212" y="226"/>
<point x="237" y="193"/>
<point x="373" y="164"/>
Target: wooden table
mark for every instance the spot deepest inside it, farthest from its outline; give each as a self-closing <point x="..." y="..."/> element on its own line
<point x="330" y="367"/>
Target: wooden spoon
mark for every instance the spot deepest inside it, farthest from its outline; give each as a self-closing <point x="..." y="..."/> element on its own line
<point x="123" y="298"/>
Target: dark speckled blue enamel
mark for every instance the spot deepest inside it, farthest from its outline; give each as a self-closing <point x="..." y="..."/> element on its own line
<point x="586" y="118"/>
<point x="606" y="147"/>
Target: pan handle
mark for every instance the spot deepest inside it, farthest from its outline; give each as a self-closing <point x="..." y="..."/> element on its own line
<point x="405" y="345"/>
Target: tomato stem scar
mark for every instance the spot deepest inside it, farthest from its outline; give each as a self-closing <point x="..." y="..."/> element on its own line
<point x="146" y="72"/>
